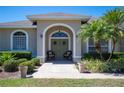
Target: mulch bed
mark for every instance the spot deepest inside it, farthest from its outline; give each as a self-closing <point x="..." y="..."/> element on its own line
<point x="9" y="75"/>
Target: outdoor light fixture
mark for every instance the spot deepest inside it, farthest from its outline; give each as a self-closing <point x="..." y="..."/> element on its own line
<point x="41" y="35"/>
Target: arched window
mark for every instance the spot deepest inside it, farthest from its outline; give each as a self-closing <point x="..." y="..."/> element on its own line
<point x="19" y="41"/>
<point x="59" y="34"/>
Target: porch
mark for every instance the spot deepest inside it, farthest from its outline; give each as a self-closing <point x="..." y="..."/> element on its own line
<point x="59" y="38"/>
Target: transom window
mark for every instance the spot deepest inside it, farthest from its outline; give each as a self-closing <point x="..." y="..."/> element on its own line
<point x="104" y="46"/>
<point x="59" y="34"/>
<point x="19" y="41"/>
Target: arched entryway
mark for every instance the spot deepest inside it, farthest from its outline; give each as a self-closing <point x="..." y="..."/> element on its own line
<point x="59" y="39"/>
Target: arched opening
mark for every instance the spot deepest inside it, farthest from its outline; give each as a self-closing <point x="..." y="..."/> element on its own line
<point x="62" y="32"/>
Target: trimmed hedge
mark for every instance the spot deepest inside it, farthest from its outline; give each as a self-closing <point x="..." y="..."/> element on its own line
<point x="19" y="61"/>
<point x="105" y="55"/>
<point x="18" y="54"/>
<point x="36" y="61"/>
<point x="10" y="66"/>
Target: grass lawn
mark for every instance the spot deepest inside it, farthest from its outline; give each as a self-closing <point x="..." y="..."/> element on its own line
<point x="61" y="82"/>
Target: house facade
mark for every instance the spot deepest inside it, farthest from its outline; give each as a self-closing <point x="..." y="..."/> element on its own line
<point x="52" y="31"/>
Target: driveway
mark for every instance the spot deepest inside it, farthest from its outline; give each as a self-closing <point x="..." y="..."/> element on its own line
<point x="67" y="69"/>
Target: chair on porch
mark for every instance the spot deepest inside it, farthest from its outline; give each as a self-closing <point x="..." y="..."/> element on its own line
<point x="50" y="55"/>
<point x="68" y="55"/>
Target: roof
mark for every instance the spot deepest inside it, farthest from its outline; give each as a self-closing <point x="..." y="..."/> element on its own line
<point x="48" y="16"/>
<point x="92" y="19"/>
<point x="58" y="15"/>
<point x="17" y="24"/>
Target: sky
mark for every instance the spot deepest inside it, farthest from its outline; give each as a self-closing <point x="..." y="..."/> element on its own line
<point x="17" y="13"/>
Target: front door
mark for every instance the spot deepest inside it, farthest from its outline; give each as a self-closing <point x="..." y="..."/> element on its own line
<point x="59" y="47"/>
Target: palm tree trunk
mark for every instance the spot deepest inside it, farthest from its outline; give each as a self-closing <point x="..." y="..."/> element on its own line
<point x="111" y="54"/>
<point x="101" y="54"/>
<point x="98" y="47"/>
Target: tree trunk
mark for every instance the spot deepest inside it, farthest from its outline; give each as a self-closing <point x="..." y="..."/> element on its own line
<point x="101" y="54"/>
<point x="111" y="54"/>
<point x="98" y="47"/>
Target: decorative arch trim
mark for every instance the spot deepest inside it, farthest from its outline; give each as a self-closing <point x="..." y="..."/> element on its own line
<point x="60" y="24"/>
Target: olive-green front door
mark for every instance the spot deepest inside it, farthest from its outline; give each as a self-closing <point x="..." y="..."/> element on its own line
<point x="59" y="46"/>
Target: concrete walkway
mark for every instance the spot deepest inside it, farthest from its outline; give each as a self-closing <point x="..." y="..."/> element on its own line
<point x="68" y="70"/>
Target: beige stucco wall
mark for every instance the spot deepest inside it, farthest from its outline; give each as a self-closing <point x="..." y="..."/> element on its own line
<point x="5" y="39"/>
<point x="36" y="37"/>
<point x="42" y="25"/>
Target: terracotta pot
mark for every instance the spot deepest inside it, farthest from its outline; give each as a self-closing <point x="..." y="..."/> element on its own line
<point x="81" y="67"/>
<point x="23" y="71"/>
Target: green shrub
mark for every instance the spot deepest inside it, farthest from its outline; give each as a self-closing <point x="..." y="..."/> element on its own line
<point x="10" y="65"/>
<point x="6" y="56"/>
<point x="1" y="62"/>
<point x="36" y="61"/>
<point x="118" y="55"/>
<point x="95" y="56"/>
<point x="30" y="65"/>
<point x="116" y="65"/>
<point x="18" y="54"/>
<point x="95" y="65"/>
<point x="105" y="55"/>
<point x="21" y="60"/>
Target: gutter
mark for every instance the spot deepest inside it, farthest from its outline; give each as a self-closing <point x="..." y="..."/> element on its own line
<point x="18" y="26"/>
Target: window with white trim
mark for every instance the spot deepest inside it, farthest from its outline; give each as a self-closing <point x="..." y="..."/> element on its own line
<point x="92" y="48"/>
<point x="59" y="34"/>
<point x="19" y="41"/>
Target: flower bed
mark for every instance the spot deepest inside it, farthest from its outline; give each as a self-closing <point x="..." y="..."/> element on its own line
<point x="9" y="64"/>
<point x="7" y="75"/>
<point x="95" y="65"/>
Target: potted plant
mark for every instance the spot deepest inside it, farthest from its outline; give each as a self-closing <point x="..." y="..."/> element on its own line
<point x="23" y="70"/>
<point x="81" y="67"/>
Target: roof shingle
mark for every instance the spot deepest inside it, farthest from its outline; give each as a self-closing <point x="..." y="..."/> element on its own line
<point x="17" y="23"/>
<point x="58" y="15"/>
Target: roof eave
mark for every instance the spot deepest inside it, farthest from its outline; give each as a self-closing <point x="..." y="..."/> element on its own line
<point x="18" y="26"/>
<point x="59" y="18"/>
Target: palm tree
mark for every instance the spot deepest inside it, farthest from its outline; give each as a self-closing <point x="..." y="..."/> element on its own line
<point x="95" y="30"/>
<point x="115" y="18"/>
